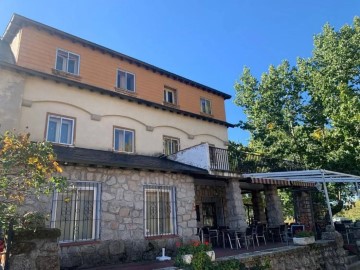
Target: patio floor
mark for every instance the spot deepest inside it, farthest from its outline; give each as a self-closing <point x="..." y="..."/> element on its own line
<point x="152" y="265"/>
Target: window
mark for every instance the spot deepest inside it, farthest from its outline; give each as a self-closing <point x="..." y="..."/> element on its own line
<point x="76" y="212"/>
<point x="205" y="105"/>
<point x="170" y="95"/>
<point x="171" y="145"/>
<point x="67" y="62"/>
<point x="125" y="80"/>
<point x="123" y="140"/>
<point x="60" y="129"/>
<point x="160" y="213"/>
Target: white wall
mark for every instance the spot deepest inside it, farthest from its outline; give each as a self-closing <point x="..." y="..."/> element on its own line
<point x="50" y="97"/>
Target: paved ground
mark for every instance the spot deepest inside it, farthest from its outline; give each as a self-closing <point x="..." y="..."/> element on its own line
<point x="154" y="265"/>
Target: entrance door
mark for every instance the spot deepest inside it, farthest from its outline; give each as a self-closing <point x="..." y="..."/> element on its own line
<point x="209" y="214"/>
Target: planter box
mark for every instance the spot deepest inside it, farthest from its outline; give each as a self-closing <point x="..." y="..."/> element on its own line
<point x="303" y="241"/>
<point x="188" y="257"/>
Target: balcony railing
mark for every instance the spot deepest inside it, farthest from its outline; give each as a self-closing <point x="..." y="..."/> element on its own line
<point x="245" y="162"/>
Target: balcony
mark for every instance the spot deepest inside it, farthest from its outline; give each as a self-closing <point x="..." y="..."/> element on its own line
<point x="245" y="162"/>
<point x="216" y="160"/>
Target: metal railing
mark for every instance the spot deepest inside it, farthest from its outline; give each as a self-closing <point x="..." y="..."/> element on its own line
<point x="245" y="162"/>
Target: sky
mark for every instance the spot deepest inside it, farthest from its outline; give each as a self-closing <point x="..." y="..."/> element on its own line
<point x="207" y="41"/>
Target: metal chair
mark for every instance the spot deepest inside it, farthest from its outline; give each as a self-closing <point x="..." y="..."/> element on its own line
<point x="259" y="233"/>
<point x="248" y="237"/>
<point x="341" y="228"/>
<point x="232" y="237"/>
<point x="209" y="234"/>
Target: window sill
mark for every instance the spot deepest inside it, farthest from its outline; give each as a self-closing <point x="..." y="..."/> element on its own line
<point x="66" y="74"/>
<point x="158" y="237"/>
<point x="125" y="92"/>
<point x="82" y="243"/>
<point x="206" y="114"/>
<point x="171" y="105"/>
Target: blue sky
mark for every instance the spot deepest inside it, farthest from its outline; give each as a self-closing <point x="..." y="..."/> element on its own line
<point x="207" y="41"/>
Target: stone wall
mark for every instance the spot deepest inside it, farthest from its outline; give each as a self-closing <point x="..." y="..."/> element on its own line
<point x="212" y="194"/>
<point x="323" y="254"/>
<point x="122" y="216"/>
<point x="35" y="250"/>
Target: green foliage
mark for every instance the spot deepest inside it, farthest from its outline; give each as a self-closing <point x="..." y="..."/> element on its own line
<point x="201" y="261"/>
<point x="310" y="112"/>
<point x="352" y="212"/>
<point x="302" y="234"/>
<point x="27" y="169"/>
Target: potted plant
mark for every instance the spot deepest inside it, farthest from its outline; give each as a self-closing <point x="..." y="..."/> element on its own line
<point x="186" y="252"/>
<point x="304" y="238"/>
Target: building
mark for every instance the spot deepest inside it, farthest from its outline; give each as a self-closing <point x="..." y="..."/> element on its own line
<point x="143" y="148"/>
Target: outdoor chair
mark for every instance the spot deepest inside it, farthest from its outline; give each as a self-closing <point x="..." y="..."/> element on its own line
<point x="207" y="235"/>
<point x="248" y="237"/>
<point x="232" y="238"/>
<point x="341" y="228"/>
<point x="283" y="231"/>
<point x="260" y="233"/>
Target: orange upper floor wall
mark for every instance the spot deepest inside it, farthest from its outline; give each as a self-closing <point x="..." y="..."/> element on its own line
<point x="36" y="49"/>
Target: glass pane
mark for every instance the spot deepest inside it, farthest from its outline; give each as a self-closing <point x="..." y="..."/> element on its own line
<point x="175" y="146"/>
<point x="130" y="82"/>
<point x="85" y="212"/>
<point x="73" y="63"/>
<point x="60" y="63"/>
<point x="170" y="97"/>
<point x="167" y="146"/>
<point x="128" y="141"/>
<point x="65" y="215"/>
<point x="164" y="212"/>
<point x="66" y="131"/>
<point x="151" y="213"/>
<point x="119" y="140"/>
<point x="53" y="129"/>
<point x="121" y="80"/>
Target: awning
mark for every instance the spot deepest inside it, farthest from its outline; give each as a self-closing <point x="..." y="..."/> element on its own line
<point x="280" y="182"/>
<point x="312" y="177"/>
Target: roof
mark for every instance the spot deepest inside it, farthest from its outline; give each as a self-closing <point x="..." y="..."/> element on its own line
<point x="83" y="86"/>
<point x="18" y="21"/>
<point x="76" y="155"/>
<point x="310" y="176"/>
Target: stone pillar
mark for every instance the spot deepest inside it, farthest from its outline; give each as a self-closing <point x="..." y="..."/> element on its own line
<point x="236" y="211"/>
<point x="258" y="207"/>
<point x="303" y="209"/>
<point x="273" y="205"/>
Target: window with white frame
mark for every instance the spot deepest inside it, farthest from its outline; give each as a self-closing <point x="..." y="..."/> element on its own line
<point x="123" y="140"/>
<point x="205" y="105"/>
<point x="60" y="129"/>
<point x="67" y="61"/>
<point x="76" y="212"/>
<point x="171" y="145"/>
<point x="170" y="95"/>
<point x="125" y="80"/>
<point x="160" y="210"/>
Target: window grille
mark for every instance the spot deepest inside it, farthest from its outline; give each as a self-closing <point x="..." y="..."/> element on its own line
<point x="160" y="210"/>
<point x="76" y="212"/>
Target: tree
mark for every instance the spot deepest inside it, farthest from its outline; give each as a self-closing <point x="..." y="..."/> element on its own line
<point x="26" y="169"/>
<point x="310" y="112"/>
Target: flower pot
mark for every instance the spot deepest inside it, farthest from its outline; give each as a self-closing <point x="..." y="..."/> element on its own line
<point x="188" y="257"/>
<point x="211" y="254"/>
<point x="303" y="241"/>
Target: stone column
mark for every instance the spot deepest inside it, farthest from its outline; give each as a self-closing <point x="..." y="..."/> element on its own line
<point x="273" y="205"/>
<point x="258" y="207"/>
<point x="236" y="211"/>
<point x="303" y="209"/>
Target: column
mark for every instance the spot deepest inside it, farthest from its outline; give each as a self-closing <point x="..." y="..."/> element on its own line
<point x="258" y="207"/>
<point x="273" y="206"/>
<point x="235" y="206"/>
